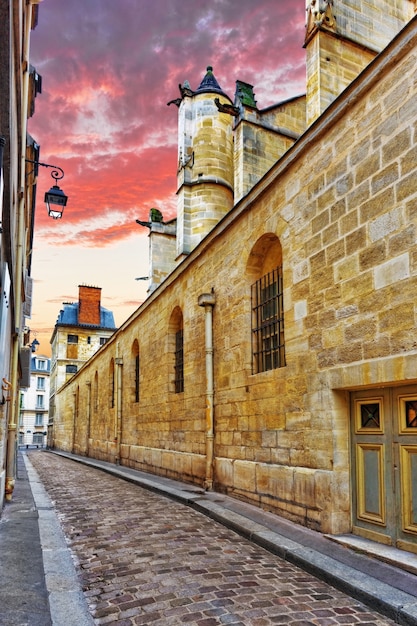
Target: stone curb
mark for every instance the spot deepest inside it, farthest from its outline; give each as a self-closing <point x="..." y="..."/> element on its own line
<point x="395" y="604"/>
<point x="66" y="599"/>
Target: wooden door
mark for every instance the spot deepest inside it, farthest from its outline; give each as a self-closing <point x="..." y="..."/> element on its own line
<point x="384" y="465"/>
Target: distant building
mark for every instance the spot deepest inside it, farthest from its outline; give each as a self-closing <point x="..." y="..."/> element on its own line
<point x="34" y="403"/>
<point x="81" y="329"/>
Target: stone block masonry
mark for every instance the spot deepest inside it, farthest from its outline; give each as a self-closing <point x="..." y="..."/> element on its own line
<point x="337" y="211"/>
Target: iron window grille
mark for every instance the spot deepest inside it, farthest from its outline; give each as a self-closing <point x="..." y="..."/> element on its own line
<point x="112" y="388"/>
<point x="179" y="361"/>
<point x="137" y="371"/>
<point x="268" y="322"/>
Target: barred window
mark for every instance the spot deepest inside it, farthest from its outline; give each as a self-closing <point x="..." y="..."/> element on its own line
<point x="137" y="372"/>
<point x="95" y="392"/>
<point x="268" y="322"/>
<point x="111" y="384"/>
<point x="179" y="361"/>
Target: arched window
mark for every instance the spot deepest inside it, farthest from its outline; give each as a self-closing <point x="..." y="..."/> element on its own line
<point x="136" y="371"/>
<point x="95" y="393"/>
<point x="267" y="304"/>
<point x="111" y="384"/>
<point x="176" y="334"/>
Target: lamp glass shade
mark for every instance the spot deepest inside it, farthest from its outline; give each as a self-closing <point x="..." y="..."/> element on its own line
<point x="34" y="345"/>
<point x="55" y="197"/>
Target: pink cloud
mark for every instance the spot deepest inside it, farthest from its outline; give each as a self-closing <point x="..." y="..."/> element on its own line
<point x="109" y="70"/>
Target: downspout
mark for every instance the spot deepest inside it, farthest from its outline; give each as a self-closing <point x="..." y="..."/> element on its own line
<point x="11" y="462"/>
<point x="119" y="365"/>
<point x="208" y="300"/>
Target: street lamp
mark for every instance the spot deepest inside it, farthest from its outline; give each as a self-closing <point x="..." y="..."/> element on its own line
<point x="55" y="197"/>
<point x="34" y="345"/>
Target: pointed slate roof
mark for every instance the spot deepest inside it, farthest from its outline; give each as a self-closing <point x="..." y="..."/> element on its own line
<point x="209" y="83"/>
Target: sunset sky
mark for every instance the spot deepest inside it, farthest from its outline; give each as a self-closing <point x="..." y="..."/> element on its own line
<point x="108" y="70"/>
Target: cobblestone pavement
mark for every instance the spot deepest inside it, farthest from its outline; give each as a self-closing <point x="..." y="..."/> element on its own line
<point x="144" y="559"/>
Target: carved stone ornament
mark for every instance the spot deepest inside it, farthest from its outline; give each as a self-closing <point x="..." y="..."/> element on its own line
<point x="226" y="108"/>
<point x="320" y="15"/>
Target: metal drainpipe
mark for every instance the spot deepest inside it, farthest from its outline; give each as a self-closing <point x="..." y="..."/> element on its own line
<point x="119" y="365"/>
<point x="208" y="300"/>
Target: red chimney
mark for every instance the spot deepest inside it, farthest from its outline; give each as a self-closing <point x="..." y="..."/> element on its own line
<point x="89" y="305"/>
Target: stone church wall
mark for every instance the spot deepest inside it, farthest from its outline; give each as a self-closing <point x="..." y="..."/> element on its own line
<point x="341" y="209"/>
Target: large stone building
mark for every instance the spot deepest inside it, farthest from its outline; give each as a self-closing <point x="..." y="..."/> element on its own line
<point x="19" y="85"/>
<point x="275" y="358"/>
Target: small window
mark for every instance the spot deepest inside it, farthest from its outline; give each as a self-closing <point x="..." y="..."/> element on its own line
<point x="111" y="384"/>
<point x="95" y="390"/>
<point x="39" y="419"/>
<point x="40" y="383"/>
<point x="103" y="340"/>
<point x="37" y="438"/>
<point x="89" y="340"/>
<point x="137" y="372"/>
<point x="71" y="369"/>
<point x="268" y="322"/>
<point x="179" y="361"/>
<point x="40" y="364"/>
<point x="39" y="402"/>
<point x="72" y="339"/>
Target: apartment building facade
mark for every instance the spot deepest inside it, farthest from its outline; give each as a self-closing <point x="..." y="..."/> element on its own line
<point x="82" y="328"/>
<point x="34" y="404"/>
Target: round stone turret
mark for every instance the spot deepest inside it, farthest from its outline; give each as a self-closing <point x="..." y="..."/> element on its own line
<point x="205" y="161"/>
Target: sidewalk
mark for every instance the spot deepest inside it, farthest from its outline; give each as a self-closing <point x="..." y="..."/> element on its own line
<point x="23" y="595"/>
<point x="39" y="584"/>
<point x="36" y="564"/>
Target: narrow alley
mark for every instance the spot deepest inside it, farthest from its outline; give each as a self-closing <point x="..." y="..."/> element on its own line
<point x="143" y="558"/>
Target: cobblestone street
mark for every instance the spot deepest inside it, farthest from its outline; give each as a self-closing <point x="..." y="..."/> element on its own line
<point x="144" y="559"/>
